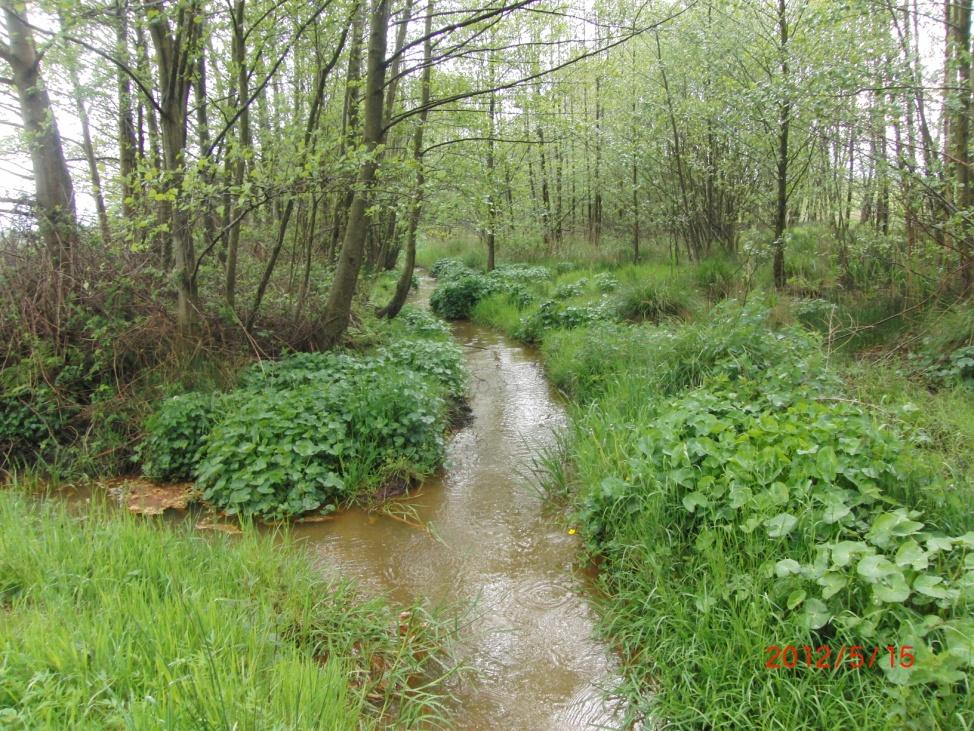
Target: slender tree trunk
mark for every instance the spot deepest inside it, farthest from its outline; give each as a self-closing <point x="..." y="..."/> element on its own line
<point x="127" y="144"/>
<point x="89" y="151"/>
<point x="239" y="55"/>
<point x="959" y="139"/>
<point x="353" y="77"/>
<point x="176" y="52"/>
<point x="52" y="182"/>
<point x="338" y="307"/>
<point x="406" y="276"/>
<point x="784" y="124"/>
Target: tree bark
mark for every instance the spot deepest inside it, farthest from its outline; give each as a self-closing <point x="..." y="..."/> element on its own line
<point x="54" y="191"/>
<point x="406" y="276"/>
<point x="339" y="305"/>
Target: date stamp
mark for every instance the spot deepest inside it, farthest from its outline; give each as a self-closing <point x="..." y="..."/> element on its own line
<point x="824" y="657"/>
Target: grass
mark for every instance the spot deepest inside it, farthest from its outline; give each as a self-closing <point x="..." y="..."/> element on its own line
<point x="693" y="602"/>
<point x="111" y="622"/>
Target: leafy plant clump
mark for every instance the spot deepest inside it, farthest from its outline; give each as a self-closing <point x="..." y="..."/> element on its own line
<point x="455" y="298"/>
<point x="312" y="446"/>
<point x="312" y="430"/>
<point x="552" y="315"/>
<point x="175" y="434"/>
<point x="443" y="268"/>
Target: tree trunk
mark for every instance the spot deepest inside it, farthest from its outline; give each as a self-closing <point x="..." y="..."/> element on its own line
<point x="176" y="61"/>
<point x="784" y="123"/>
<point x="339" y="305"/>
<point x="127" y="145"/>
<point x="406" y="276"/>
<point x="54" y="192"/>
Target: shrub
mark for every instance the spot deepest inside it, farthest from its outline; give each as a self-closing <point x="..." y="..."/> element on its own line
<point x="283" y="452"/>
<point x="569" y="289"/>
<point x="175" y="433"/>
<point x="445" y="268"/>
<point x="605" y="282"/>
<point x="30" y="422"/>
<point x="454" y="299"/>
<point x="717" y="277"/>
<point x="552" y="316"/>
<point x="422" y="323"/>
<point x="522" y="273"/>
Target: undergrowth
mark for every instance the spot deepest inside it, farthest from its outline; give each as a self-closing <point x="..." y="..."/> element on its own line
<point x="739" y="496"/>
<point x="312" y="431"/>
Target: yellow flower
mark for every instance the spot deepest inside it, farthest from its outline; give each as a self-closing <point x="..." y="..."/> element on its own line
<point x="571" y="531"/>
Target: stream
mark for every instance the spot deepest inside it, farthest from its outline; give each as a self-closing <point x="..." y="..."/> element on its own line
<point x="528" y="637"/>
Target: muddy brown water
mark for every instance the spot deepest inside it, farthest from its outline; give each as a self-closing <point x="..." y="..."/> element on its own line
<point x="493" y="548"/>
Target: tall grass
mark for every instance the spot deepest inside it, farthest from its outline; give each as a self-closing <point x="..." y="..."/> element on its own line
<point x="667" y="421"/>
<point x="109" y="622"/>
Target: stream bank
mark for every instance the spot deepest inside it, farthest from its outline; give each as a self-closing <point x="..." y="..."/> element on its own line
<point x="529" y="631"/>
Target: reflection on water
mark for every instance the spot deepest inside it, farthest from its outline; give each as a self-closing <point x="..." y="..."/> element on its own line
<point x="530" y="642"/>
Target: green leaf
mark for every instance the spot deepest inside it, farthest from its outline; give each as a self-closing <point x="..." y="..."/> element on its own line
<point x="816" y="614"/>
<point x="844" y="551"/>
<point x="910" y="554"/>
<point x="781" y="525"/>
<point x="888" y="525"/>
<point x="795" y="598"/>
<point x="787" y="567"/>
<point x="932" y="586"/>
<point x="832" y="583"/>
<point x="695" y="500"/>
<point x="874" y="568"/>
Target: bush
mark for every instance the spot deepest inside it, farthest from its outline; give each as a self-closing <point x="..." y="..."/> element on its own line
<point x="522" y="273"/>
<point x="30" y="422"/>
<point x="569" y="289"/>
<point x="444" y="268"/>
<point x="605" y="282"/>
<point x="552" y="316"/>
<point x="422" y="323"/>
<point x="717" y="277"/>
<point x="454" y="299"/>
<point x="175" y="433"/>
<point x="283" y="452"/>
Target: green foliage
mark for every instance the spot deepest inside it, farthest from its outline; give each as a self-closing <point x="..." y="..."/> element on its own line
<point x="740" y="500"/>
<point x="717" y="277"/>
<point x="551" y="315"/>
<point x="309" y="446"/>
<point x="454" y="299"/>
<point x="448" y="268"/>
<point x="605" y="282"/>
<point x="30" y="421"/>
<point x="115" y="622"/>
<point x="422" y="323"/>
<point x="570" y="289"/>
<point x="312" y="430"/>
<point x="438" y="360"/>
<point x="946" y="352"/>
<point x="175" y="433"/>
